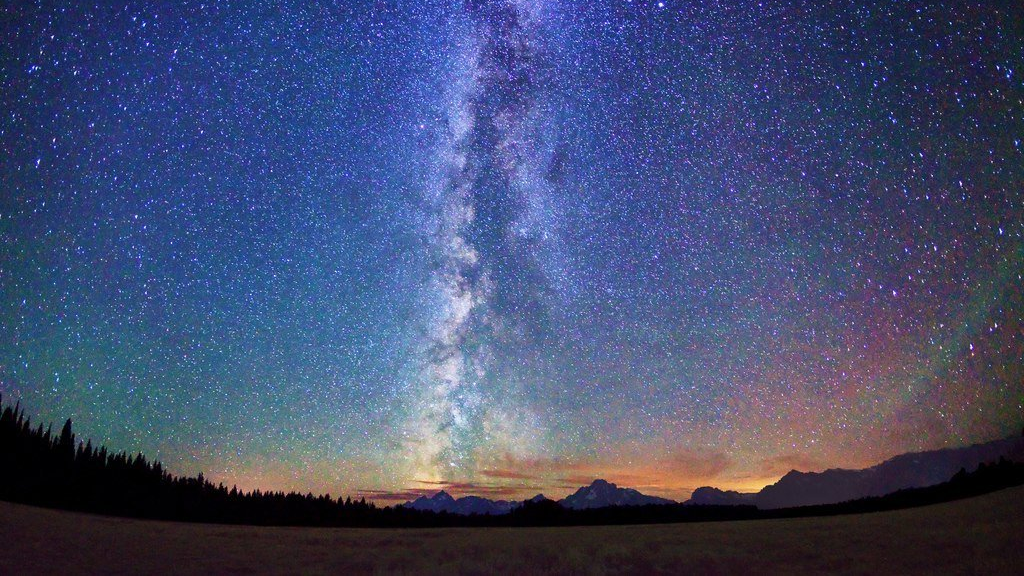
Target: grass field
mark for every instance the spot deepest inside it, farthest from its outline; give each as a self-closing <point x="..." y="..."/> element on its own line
<point x="983" y="535"/>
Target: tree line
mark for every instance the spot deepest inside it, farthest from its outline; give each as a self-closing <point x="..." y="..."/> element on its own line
<point x="59" y="470"/>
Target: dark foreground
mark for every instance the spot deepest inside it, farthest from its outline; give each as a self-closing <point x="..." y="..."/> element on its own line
<point x="982" y="535"/>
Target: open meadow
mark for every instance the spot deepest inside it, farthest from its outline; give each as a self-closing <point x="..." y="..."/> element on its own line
<point x="983" y="535"/>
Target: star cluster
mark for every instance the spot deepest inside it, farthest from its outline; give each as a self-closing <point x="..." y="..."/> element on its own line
<point x="512" y="245"/>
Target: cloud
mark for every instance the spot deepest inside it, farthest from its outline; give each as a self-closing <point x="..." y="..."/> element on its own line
<point x="507" y="474"/>
<point x="392" y="496"/>
<point x="457" y="489"/>
<point x="576" y="480"/>
<point x="475" y="488"/>
<point x="700" y="465"/>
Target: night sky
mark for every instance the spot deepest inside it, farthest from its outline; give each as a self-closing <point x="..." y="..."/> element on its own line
<point x="508" y="246"/>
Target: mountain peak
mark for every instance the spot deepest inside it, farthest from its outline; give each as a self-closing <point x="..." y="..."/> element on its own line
<point x="602" y="493"/>
<point x="442" y="496"/>
<point x="794" y="474"/>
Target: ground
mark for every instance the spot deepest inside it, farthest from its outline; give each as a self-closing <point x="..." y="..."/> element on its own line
<point x="979" y="535"/>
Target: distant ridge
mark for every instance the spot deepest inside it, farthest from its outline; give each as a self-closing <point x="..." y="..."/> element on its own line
<point x="912" y="470"/>
<point x="443" y="502"/>
<point x="599" y="494"/>
<point x="708" y="496"/>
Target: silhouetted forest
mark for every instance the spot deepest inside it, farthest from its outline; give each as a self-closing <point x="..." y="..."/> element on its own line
<point x="58" y="470"/>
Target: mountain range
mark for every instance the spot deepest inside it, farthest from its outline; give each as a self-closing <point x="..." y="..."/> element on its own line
<point x="599" y="494"/>
<point x="443" y="502"/>
<point x="911" y="470"/>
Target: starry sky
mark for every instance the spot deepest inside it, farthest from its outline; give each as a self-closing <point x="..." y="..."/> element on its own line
<point x="508" y="246"/>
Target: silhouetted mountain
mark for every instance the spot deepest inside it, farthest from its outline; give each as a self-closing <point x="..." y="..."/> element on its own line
<point x="477" y="505"/>
<point x="708" y="496"/>
<point x="443" y="502"/>
<point x="601" y="494"/>
<point x="440" y="502"/>
<point x="913" y="470"/>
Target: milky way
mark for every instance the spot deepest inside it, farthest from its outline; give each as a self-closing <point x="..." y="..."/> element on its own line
<point x="511" y="246"/>
<point x="488" y="225"/>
